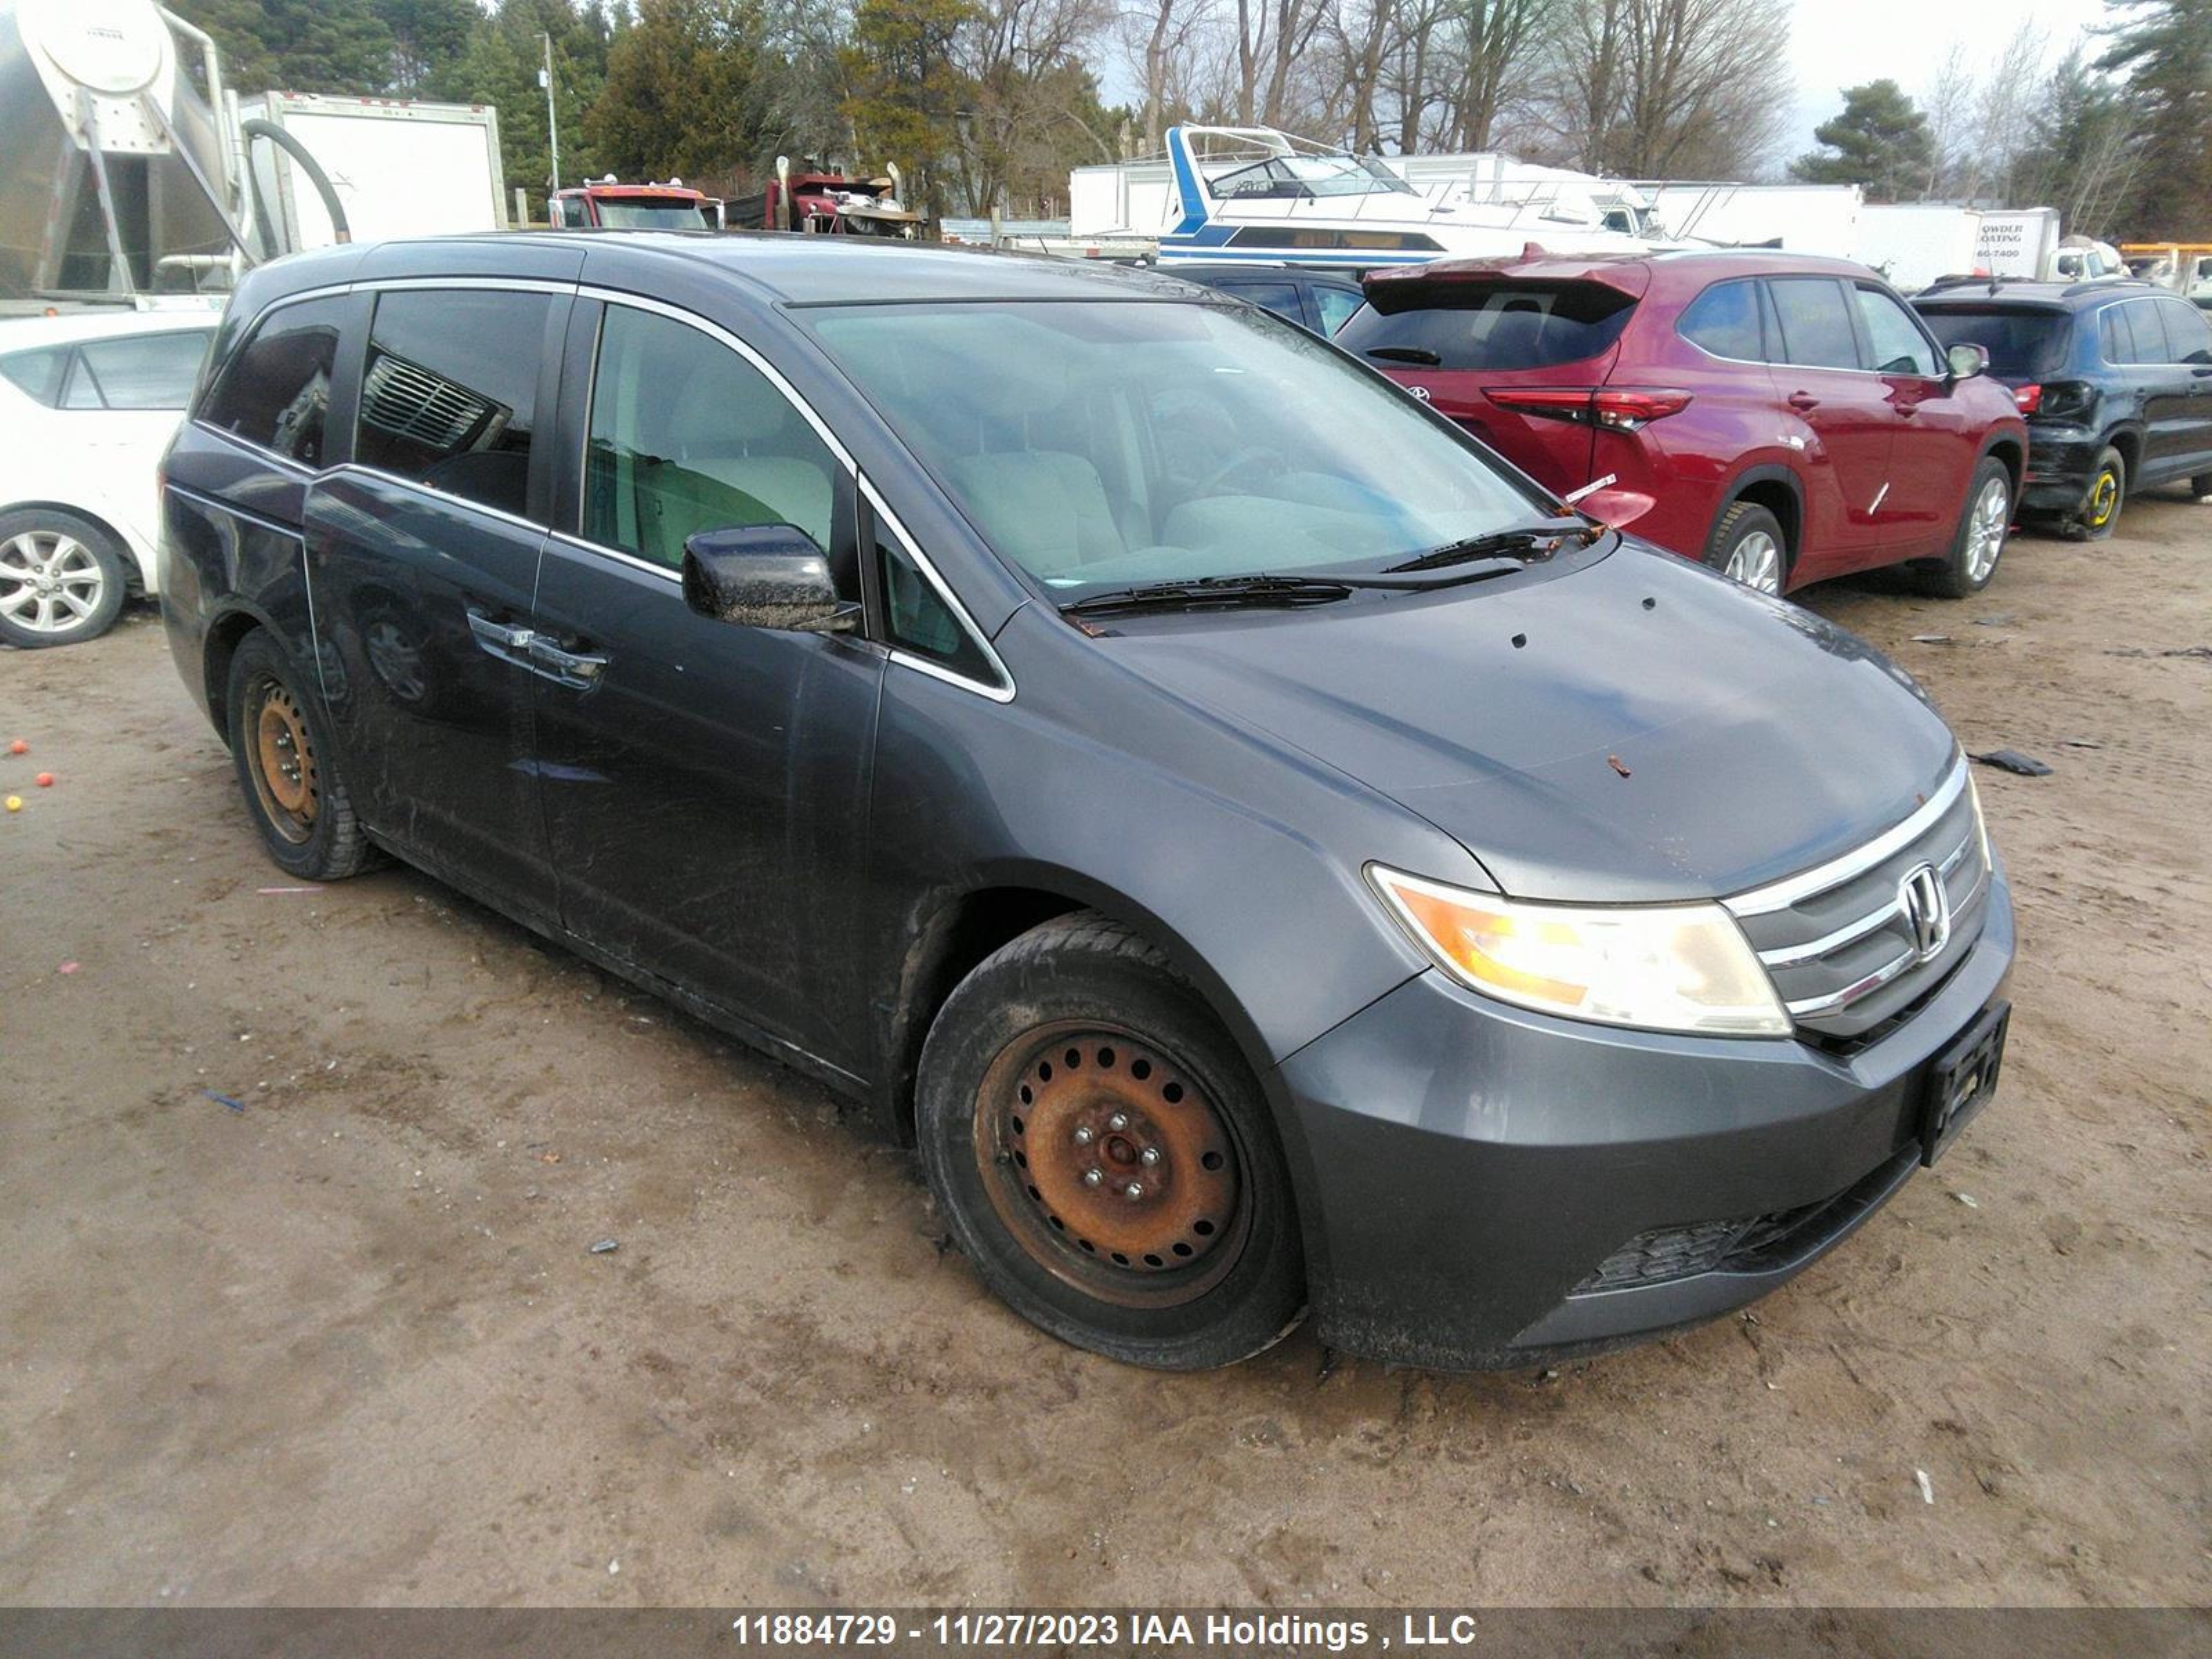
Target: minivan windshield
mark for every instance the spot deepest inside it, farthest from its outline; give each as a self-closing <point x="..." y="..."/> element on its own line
<point x="1101" y="444"/>
<point x="2023" y="344"/>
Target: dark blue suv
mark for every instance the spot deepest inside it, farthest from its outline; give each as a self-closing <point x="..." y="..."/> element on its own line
<point x="2115" y="379"/>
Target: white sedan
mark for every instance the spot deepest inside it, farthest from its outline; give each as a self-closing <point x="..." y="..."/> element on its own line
<point x="87" y="402"/>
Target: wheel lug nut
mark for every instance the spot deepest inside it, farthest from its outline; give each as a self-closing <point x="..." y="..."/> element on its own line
<point x="1117" y="1121"/>
<point x="1092" y="1177"/>
<point x="1133" y="1190"/>
<point x="1083" y="1135"/>
<point x="1149" y="1157"/>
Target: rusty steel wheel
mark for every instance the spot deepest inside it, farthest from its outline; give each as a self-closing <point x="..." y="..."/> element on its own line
<point x="1102" y="1153"/>
<point x="282" y="760"/>
<point x="287" y="768"/>
<point x="1108" y="1165"/>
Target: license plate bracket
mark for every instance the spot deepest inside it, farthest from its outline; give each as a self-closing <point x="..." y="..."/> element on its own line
<point x="1961" y="1080"/>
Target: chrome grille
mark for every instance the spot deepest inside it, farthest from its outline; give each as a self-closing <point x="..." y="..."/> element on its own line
<point x="1846" y="944"/>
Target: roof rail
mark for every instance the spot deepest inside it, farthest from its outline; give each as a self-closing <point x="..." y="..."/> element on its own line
<point x="2099" y="284"/>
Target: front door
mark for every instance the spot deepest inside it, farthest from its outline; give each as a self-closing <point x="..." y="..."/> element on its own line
<point x="1853" y="425"/>
<point x="1938" y="440"/>
<point x="705" y="785"/>
<point x="423" y="556"/>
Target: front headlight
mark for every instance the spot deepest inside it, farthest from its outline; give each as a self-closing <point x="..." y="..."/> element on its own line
<point x="1661" y="967"/>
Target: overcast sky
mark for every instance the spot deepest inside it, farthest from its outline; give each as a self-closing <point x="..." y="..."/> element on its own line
<point x="1834" y="44"/>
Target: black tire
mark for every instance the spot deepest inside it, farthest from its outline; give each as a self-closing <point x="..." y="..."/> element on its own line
<point x="50" y="561"/>
<point x="1961" y="573"/>
<point x="1217" y="1274"/>
<point x="1747" y="531"/>
<point x="2102" y="498"/>
<point x="2200" y="485"/>
<point x="304" y="815"/>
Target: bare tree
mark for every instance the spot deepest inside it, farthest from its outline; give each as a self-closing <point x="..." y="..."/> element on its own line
<point x="1652" y="88"/>
<point x="1949" y="108"/>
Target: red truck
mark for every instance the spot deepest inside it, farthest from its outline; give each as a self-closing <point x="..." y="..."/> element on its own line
<point x="602" y="204"/>
<point x="826" y="202"/>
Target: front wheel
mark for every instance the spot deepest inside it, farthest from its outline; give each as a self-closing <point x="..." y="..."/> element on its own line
<point x="1104" y="1155"/>
<point x="1979" y="543"/>
<point x="63" y="578"/>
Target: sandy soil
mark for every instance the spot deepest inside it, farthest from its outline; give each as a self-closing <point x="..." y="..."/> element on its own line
<point x="348" y="1343"/>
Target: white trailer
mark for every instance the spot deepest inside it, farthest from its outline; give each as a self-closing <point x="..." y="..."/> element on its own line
<point x="398" y="168"/>
<point x="1797" y="218"/>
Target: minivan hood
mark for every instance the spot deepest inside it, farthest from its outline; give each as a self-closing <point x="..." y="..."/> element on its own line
<point x="1636" y="729"/>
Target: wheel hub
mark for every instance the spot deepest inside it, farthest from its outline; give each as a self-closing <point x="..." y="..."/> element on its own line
<point x="1109" y="1163"/>
<point x="285" y="758"/>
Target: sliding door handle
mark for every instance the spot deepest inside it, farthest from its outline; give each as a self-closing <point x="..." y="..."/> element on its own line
<point x="576" y="668"/>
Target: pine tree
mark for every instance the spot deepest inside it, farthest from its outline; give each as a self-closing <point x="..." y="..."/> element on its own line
<point x="1880" y="141"/>
<point x="2164" y="47"/>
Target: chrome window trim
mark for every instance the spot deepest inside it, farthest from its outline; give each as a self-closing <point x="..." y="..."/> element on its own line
<point x="304" y="473"/>
<point x="637" y="562"/>
<point x="442" y="496"/>
<point x="1004" y="691"/>
<point x="297" y="532"/>
<point x="1781" y="895"/>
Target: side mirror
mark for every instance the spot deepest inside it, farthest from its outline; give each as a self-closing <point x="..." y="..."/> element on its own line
<point x="1967" y="361"/>
<point x="766" y="575"/>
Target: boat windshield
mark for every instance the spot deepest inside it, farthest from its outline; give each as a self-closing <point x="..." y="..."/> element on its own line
<point x="1303" y="178"/>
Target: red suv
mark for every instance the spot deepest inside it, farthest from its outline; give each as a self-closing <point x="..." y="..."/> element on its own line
<point x="1783" y="419"/>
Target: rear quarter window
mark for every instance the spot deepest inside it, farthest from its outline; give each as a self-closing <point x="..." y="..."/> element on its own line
<point x="275" y="392"/>
<point x="1492" y="326"/>
<point x="1723" y="321"/>
<point x="36" y="374"/>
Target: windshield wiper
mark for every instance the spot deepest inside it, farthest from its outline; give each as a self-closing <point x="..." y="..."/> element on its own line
<point x="1262" y="589"/>
<point x="1420" y="355"/>
<point x="1522" y="545"/>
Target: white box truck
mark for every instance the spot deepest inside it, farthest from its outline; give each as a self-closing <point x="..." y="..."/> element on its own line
<point x="1913" y="243"/>
<point x="2017" y="242"/>
<point x="398" y="168"/>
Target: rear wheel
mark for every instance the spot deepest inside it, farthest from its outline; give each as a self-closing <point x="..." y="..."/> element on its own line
<point x="2101" y="500"/>
<point x="1104" y="1155"/>
<point x="1979" y="543"/>
<point x="63" y="578"/>
<point x="287" y="769"/>
<point x="1747" y="544"/>
<point x="2201" y="486"/>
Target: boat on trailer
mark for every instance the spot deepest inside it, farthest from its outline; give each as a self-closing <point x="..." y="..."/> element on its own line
<point x="1252" y="194"/>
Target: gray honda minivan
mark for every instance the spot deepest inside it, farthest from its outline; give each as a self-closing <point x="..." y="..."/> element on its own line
<point x="1267" y="853"/>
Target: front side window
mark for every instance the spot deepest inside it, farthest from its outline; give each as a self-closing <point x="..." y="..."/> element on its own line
<point x="144" y="371"/>
<point x="1481" y="325"/>
<point x="1119" y="442"/>
<point x="449" y="395"/>
<point x="686" y="436"/>
<point x="1725" y="321"/>
<point x="1899" y="346"/>
<point x="2186" y="331"/>
<point x="276" y="392"/>
<point x="1816" y="324"/>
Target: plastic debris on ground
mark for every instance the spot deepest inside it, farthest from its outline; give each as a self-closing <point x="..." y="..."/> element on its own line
<point x="604" y="1245"/>
<point x="2011" y="760"/>
<point x="224" y="1100"/>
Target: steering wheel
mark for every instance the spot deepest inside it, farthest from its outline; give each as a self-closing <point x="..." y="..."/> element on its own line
<point x="1244" y="461"/>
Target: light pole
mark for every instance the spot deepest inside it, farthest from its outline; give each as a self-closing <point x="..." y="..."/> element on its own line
<point x="552" y="122"/>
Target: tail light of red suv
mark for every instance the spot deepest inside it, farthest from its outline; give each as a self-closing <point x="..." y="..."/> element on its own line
<point x="1616" y="408"/>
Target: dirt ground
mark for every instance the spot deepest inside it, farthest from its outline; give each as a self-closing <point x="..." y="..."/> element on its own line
<point x="348" y="1343"/>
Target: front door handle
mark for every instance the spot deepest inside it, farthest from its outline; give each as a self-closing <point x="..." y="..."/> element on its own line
<point x="1803" y="400"/>
<point x="581" y="669"/>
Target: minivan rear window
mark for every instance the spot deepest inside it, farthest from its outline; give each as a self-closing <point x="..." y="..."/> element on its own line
<point x="1491" y="326"/>
<point x="2022" y="343"/>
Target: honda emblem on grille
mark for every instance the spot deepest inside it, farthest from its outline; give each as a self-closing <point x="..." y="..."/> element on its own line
<point x="1927" y="907"/>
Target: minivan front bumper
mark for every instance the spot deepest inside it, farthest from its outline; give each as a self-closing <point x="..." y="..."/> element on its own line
<point x="1483" y="1187"/>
